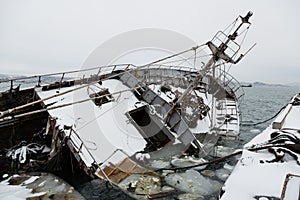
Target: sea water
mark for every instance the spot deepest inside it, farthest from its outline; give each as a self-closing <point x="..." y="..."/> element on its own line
<point x="259" y="104"/>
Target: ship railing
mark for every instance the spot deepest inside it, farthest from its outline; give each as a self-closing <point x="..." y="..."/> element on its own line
<point x="102" y="165"/>
<point x="114" y="153"/>
<point x="151" y="73"/>
<point x="118" y="166"/>
<point x="79" y="149"/>
<point x="173" y="75"/>
<point x="231" y="85"/>
<point x="82" y="153"/>
<point x="45" y="79"/>
<point x="156" y="73"/>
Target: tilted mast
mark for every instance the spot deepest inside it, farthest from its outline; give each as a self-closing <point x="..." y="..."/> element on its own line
<point x="218" y="52"/>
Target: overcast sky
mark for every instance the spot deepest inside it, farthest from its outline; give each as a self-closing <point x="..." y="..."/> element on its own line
<point x="56" y="35"/>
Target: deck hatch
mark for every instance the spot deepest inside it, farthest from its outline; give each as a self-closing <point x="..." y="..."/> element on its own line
<point x="150" y="127"/>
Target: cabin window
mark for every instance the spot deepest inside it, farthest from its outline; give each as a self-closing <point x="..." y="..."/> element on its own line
<point x="101" y="97"/>
<point x="141" y="117"/>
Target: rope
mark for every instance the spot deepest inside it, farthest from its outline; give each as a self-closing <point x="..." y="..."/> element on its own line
<point x="64" y="105"/>
<point x="174" y="55"/>
<point x="58" y="73"/>
<point x="232" y="25"/>
<point x="193" y="56"/>
<point x="9" y="111"/>
<point x="205" y="163"/>
<point x="185" y="59"/>
<point x="77" y="102"/>
<point x="258" y="123"/>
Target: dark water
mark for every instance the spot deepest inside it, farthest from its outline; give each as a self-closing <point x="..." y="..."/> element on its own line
<point x="261" y="103"/>
<point x="99" y="189"/>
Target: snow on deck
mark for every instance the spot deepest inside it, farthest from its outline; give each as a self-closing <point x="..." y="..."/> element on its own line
<point x="255" y="177"/>
<point x="293" y="118"/>
<point x="102" y="129"/>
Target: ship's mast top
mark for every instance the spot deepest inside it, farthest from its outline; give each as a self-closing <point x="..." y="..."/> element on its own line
<point x="218" y="52"/>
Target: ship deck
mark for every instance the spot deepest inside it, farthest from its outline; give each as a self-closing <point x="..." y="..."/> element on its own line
<point x="270" y="161"/>
<point x="95" y="132"/>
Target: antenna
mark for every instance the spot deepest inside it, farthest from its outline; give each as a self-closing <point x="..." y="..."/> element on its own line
<point x="222" y="44"/>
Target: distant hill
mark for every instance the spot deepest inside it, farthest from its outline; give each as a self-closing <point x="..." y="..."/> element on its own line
<point x="7" y="76"/>
<point x="262" y="84"/>
<point x="294" y="84"/>
<point x="45" y="79"/>
<point x="267" y="84"/>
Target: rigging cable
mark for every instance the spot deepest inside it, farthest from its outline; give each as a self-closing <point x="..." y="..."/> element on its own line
<point x="258" y="123"/>
<point x="204" y="163"/>
<point x="192" y="56"/>
<point x="9" y="111"/>
<point x="185" y="59"/>
<point x="232" y="25"/>
<point x="77" y="102"/>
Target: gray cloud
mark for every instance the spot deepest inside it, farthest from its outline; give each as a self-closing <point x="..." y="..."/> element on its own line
<point x="46" y="36"/>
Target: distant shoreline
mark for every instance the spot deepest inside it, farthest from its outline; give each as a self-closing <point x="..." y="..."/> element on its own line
<point x="4" y="77"/>
<point x="261" y="84"/>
